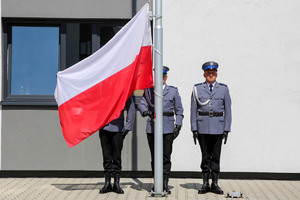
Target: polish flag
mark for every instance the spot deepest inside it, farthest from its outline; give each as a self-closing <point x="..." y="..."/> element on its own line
<point x="94" y="91"/>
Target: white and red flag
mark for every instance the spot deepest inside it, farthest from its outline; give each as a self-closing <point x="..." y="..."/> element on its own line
<point x="93" y="92"/>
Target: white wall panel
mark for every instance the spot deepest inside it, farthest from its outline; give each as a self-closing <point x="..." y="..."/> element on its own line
<point x="257" y="46"/>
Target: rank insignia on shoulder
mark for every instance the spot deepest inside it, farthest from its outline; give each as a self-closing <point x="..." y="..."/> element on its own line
<point x="223" y="84"/>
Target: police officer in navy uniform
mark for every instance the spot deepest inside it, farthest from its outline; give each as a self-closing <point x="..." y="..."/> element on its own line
<point x="111" y="139"/>
<point x="172" y="122"/>
<point x="210" y="123"/>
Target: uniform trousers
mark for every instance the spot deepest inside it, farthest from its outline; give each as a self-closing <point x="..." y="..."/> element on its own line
<point x="210" y="146"/>
<point x="167" y="150"/>
<point x="112" y="145"/>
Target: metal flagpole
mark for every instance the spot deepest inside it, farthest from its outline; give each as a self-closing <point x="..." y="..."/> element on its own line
<point x="158" y="128"/>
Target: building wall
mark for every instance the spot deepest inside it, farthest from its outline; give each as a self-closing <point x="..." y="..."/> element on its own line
<point x="32" y="140"/>
<point x="31" y="137"/>
<point x="67" y="8"/>
<point x="257" y="46"/>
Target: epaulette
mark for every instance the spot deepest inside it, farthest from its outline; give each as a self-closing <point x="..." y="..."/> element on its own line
<point x="198" y="84"/>
<point x="172" y="86"/>
<point x="223" y="84"/>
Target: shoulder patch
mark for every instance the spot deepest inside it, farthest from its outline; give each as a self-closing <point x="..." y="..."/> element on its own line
<point x="198" y="84"/>
<point x="223" y="84"/>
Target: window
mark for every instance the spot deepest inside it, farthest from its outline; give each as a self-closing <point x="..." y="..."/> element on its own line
<point x="106" y="33"/>
<point x="78" y="42"/>
<point x="34" y="60"/>
<point x="35" y="50"/>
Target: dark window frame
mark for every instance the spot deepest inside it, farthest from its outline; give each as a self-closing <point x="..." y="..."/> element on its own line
<point x="7" y="23"/>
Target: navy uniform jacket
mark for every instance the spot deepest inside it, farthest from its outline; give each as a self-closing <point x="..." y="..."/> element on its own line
<point x="217" y="101"/>
<point x="117" y="125"/>
<point x="171" y="103"/>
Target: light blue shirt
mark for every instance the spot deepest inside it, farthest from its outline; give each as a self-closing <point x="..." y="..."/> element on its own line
<point x="213" y="85"/>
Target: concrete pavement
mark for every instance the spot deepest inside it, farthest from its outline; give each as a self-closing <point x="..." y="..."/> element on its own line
<point x="137" y="188"/>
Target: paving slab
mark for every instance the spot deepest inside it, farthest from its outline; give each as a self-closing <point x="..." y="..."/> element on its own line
<point x="138" y="188"/>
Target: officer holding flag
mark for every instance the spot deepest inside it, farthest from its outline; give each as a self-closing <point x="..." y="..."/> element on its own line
<point x="172" y="122"/>
<point x="111" y="140"/>
<point x="210" y="123"/>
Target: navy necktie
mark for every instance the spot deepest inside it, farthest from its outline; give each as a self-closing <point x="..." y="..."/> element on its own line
<point x="210" y="87"/>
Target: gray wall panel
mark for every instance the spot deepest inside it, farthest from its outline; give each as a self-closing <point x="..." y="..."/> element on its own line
<point x="141" y="3"/>
<point x="67" y="8"/>
<point x="32" y="140"/>
<point x="31" y="136"/>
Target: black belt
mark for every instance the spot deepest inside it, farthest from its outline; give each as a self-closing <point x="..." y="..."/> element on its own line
<point x="168" y="114"/>
<point x="211" y="114"/>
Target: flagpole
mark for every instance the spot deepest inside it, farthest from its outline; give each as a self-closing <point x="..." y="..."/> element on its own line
<point x="158" y="129"/>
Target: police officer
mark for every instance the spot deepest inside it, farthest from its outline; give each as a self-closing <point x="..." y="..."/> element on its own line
<point x="111" y="139"/>
<point x="171" y="125"/>
<point x="210" y="123"/>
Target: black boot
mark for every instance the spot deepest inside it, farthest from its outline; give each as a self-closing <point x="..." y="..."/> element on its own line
<point x="214" y="186"/>
<point x="152" y="189"/>
<point x="165" y="184"/>
<point x="205" y="187"/>
<point x="107" y="185"/>
<point x="117" y="188"/>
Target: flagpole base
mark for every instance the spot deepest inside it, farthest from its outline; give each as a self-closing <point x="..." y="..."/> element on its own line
<point x="158" y="194"/>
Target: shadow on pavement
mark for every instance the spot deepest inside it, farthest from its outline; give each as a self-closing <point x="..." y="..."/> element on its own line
<point x="193" y="186"/>
<point x="136" y="184"/>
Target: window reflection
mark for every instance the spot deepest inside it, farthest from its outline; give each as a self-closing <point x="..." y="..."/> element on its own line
<point x="107" y="32"/>
<point x="35" y="60"/>
<point x="79" y="42"/>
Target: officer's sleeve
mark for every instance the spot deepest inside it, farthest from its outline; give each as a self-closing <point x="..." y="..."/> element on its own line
<point x="130" y="118"/>
<point x="193" y="114"/>
<point x="178" y="109"/>
<point x="227" y="106"/>
<point x="143" y="105"/>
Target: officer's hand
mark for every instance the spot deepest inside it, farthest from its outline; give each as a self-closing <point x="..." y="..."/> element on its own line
<point x="195" y="136"/>
<point x="125" y="132"/>
<point x="176" y="131"/>
<point x="148" y="113"/>
<point x="225" y="136"/>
